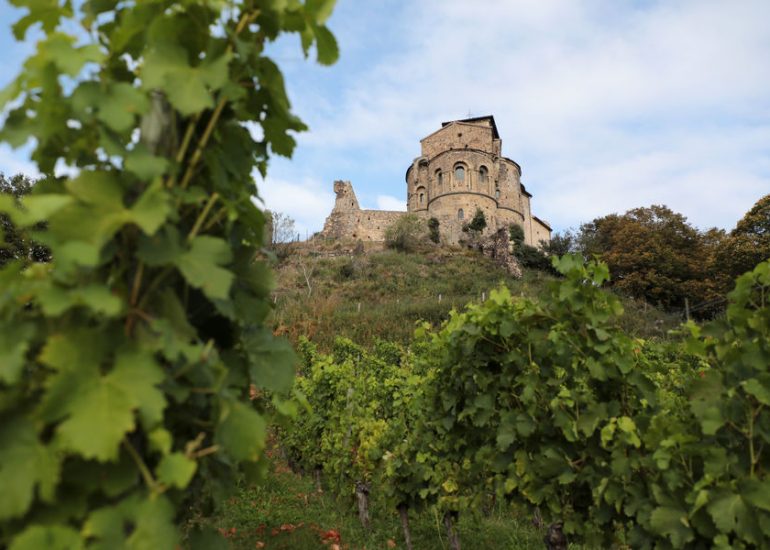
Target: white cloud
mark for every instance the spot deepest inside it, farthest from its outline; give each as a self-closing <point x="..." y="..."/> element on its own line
<point x="307" y="201"/>
<point x="386" y="202"/>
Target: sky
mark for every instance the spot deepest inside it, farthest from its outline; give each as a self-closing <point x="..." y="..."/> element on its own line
<point x="607" y="105"/>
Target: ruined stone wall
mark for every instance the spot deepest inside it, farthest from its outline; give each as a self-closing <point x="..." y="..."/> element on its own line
<point x="373" y="223"/>
<point x="348" y="221"/>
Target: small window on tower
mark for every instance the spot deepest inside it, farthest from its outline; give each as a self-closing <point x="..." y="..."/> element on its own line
<point x="459" y="173"/>
<point x="460" y="214"/>
<point x="483" y="173"/>
<point x="422" y="198"/>
<point x="439" y="178"/>
<point x="497" y="193"/>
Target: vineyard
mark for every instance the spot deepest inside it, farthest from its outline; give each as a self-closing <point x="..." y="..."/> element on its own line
<point x="143" y="389"/>
<point x="610" y="441"/>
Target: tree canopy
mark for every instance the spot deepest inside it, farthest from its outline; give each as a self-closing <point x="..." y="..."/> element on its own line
<point x="655" y="254"/>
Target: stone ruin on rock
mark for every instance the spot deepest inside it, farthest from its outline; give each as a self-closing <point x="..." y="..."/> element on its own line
<point x="460" y="169"/>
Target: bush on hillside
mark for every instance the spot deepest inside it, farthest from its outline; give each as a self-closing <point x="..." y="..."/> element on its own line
<point x="405" y="234"/>
<point x="433" y="225"/>
<point x="528" y="256"/>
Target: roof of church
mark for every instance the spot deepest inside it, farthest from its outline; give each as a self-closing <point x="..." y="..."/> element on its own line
<point x="490" y="118"/>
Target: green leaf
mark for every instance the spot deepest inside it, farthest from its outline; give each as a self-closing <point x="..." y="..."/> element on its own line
<point x="102" y="411"/>
<point x="759" y="390"/>
<point x="151" y="521"/>
<point x="756" y="493"/>
<point x="25" y="463"/>
<point x="121" y="105"/>
<point x="99" y="188"/>
<point x="50" y="537"/>
<point x="166" y="66"/>
<point x="152" y="209"/>
<point x="155" y="527"/>
<point x="138" y="374"/>
<point x="200" y="265"/>
<point x="35" y="209"/>
<point x="58" y="48"/>
<point x="46" y="12"/>
<point x="162" y="248"/>
<point x="320" y="10"/>
<point x="326" y="44"/>
<point x="705" y="400"/>
<point x="241" y="431"/>
<point x="271" y="360"/>
<point x="506" y="433"/>
<point x="144" y="164"/>
<point x="98" y="419"/>
<point x="729" y="512"/>
<point x="14" y="343"/>
<point x="673" y="523"/>
<point x="176" y="469"/>
<point x="55" y="300"/>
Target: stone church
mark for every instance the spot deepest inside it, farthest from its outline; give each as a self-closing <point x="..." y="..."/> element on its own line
<point x="460" y="169"/>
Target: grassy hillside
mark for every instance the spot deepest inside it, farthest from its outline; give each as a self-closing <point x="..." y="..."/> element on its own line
<point x="382" y="293"/>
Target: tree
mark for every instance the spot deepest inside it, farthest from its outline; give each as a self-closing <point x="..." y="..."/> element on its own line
<point x="138" y="374"/>
<point x="561" y="243"/>
<point x="17" y="244"/>
<point x="405" y="234"/>
<point x="528" y="256"/>
<point x="748" y="244"/>
<point x="654" y="254"/>
<point x="281" y="232"/>
<point x="478" y="223"/>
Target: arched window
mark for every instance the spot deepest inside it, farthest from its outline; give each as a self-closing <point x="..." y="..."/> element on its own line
<point x="422" y="198"/>
<point x="439" y="178"/>
<point x="459" y="174"/>
<point x="483" y="173"/>
<point x="497" y="193"/>
<point x="460" y="214"/>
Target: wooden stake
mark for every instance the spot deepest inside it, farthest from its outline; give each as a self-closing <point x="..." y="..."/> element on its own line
<point x="362" y="496"/>
<point x="454" y="540"/>
<point x="403" y="511"/>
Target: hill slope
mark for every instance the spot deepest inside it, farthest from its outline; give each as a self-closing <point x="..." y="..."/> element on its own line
<point x="383" y="293"/>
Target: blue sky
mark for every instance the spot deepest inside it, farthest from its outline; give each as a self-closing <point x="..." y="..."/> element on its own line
<point x="606" y="105"/>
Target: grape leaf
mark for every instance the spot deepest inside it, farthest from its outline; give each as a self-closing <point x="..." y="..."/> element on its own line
<point x="200" y="265"/>
<point x="50" y="537"/>
<point x="176" y="469"/>
<point x="241" y="431"/>
<point x="25" y="463"/>
<point x="166" y="66"/>
<point x="271" y="360"/>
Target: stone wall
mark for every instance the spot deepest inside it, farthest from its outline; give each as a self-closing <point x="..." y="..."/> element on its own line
<point x="348" y="221"/>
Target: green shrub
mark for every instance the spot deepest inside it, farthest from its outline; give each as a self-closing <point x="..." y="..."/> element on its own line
<point x="433" y="229"/>
<point x="406" y="234"/>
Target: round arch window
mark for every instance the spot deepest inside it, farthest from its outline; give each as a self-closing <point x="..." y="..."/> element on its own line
<point x="460" y="214"/>
<point x="459" y="174"/>
<point x="483" y="174"/>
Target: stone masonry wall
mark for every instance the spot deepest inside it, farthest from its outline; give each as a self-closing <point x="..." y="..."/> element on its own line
<point x="348" y="221"/>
